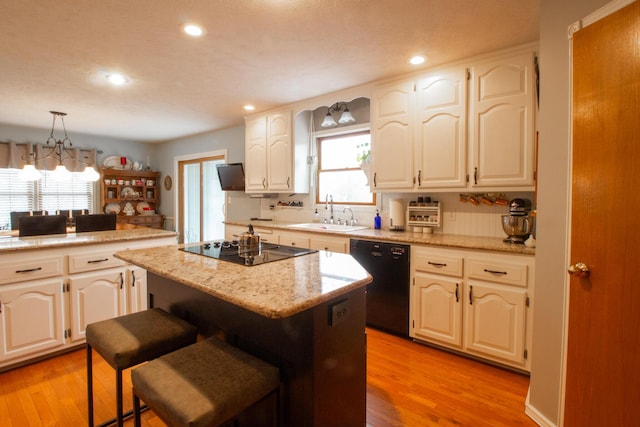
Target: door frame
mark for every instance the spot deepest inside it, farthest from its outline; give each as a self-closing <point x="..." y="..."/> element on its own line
<point x="176" y="172"/>
<point x="593" y="17"/>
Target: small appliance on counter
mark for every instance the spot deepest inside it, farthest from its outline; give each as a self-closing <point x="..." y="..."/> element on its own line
<point x="396" y="215"/>
<point x="519" y="223"/>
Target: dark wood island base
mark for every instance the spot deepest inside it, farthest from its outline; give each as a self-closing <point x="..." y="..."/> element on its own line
<point x="321" y="351"/>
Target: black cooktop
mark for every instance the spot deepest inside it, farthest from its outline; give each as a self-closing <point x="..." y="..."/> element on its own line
<point x="228" y="251"/>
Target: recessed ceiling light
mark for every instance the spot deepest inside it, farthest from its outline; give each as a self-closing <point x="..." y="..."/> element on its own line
<point x="417" y="60"/>
<point x="117" y="79"/>
<point x="249" y="107"/>
<point x="193" y="30"/>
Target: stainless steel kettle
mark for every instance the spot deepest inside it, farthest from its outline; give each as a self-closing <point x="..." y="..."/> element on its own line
<point x="249" y="244"/>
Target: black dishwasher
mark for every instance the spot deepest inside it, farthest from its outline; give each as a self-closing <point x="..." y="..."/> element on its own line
<point x="388" y="294"/>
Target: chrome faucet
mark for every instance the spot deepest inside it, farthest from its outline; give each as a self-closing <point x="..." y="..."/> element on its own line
<point x="352" y="220"/>
<point x="328" y="204"/>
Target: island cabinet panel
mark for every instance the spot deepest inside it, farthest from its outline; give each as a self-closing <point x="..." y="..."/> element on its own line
<point x="49" y="295"/>
<point x="321" y="357"/>
<point x="31" y="318"/>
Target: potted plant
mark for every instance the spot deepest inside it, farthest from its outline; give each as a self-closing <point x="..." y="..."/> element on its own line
<point x="364" y="153"/>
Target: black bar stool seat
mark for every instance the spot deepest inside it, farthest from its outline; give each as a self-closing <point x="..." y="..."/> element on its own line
<point x="129" y="340"/>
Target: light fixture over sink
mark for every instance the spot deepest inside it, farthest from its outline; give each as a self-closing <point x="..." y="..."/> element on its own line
<point x="345" y="117"/>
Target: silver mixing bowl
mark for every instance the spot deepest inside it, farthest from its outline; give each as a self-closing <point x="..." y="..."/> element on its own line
<point x="517" y="228"/>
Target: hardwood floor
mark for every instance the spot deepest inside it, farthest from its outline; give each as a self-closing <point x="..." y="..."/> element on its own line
<point x="408" y="384"/>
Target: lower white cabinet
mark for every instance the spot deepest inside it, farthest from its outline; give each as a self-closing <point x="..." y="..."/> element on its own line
<point x="329" y="244"/>
<point x="48" y="299"/>
<point x="94" y="297"/>
<point x="31" y="318"/>
<point x="473" y="302"/>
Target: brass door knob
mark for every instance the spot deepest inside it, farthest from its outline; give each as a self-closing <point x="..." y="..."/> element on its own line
<point x="579" y="269"/>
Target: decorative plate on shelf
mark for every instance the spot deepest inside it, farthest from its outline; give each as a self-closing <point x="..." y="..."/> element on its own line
<point x="128" y="192"/>
<point x="113" y="162"/>
<point x="112" y="208"/>
<point x="140" y="207"/>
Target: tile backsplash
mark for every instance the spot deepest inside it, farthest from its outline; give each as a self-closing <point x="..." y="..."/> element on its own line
<point x="457" y="217"/>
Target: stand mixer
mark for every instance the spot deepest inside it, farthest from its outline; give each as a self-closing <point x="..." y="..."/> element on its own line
<point x="518" y="224"/>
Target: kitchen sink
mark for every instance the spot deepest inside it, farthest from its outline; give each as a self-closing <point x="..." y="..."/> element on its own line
<point x="332" y="228"/>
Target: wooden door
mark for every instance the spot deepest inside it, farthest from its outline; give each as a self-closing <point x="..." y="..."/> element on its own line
<point x="603" y="369"/>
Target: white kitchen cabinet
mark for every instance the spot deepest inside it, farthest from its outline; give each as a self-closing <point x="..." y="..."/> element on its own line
<point x="495" y="322"/>
<point x="94" y="297"/>
<point x="276" y="152"/>
<point x="136" y="284"/>
<point x="255" y="154"/>
<point x="329" y="243"/>
<point x="300" y="240"/>
<point x="392" y="128"/>
<point x="31" y="318"/>
<point x="502" y="122"/>
<point x="437" y="313"/>
<point x="48" y="297"/>
<point x="267" y="235"/>
<point x="465" y="127"/>
<point x="473" y="302"/>
<point x="441" y="130"/>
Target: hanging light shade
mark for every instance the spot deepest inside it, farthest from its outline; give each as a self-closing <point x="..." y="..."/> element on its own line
<point x="328" y="121"/>
<point x="345" y="116"/>
<point x="29" y="173"/>
<point x="90" y="174"/>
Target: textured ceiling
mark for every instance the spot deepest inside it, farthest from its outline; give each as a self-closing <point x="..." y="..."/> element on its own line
<point x="54" y="55"/>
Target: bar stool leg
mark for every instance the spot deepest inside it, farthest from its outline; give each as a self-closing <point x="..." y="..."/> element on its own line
<point x="89" y="386"/>
<point x="136" y="410"/>
<point x="119" y="397"/>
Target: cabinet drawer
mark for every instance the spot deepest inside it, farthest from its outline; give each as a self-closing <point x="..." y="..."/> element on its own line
<point x="432" y="263"/>
<point x="94" y="261"/>
<point x="498" y="272"/>
<point x="38" y="268"/>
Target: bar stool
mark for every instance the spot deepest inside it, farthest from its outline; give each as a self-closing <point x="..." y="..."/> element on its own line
<point x="129" y="340"/>
<point x="204" y="384"/>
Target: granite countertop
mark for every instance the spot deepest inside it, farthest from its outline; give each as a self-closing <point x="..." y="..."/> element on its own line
<point x="10" y="243"/>
<point x="437" y="239"/>
<point x="275" y="290"/>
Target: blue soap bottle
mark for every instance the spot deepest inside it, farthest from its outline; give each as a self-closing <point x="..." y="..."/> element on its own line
<point x="377" y="221"/>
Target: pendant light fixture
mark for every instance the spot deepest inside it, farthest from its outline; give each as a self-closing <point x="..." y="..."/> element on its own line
<point x="345" y="117"/>
<point x="58" y="149"/>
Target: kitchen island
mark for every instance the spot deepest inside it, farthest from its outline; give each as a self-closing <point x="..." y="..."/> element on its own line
<point x="305" y="314"/>
<point x="52" y="286"/>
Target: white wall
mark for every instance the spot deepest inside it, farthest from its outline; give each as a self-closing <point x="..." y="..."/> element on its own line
<point x="553" y="154"/>
<point x="230" y="139"/>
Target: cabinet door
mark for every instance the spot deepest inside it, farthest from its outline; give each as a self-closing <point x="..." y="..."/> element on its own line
<point x="331" y="244"/>
<point x="495" y="322"/>
<point x="136" y="289"/>
<point x="441" y="138"/>
<point x="94" y="297"/>
<point x="437" y="309"/>
<point x="503" y="130"/>
<point x="392" y="136"/>
<point x="256" y="154"/>
<point x="31" y="318"/>
<point x="279" y="152"/>
<point x="294" y="239"/>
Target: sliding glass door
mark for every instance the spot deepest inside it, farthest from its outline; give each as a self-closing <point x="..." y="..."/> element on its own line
<point x="200" y="200"/>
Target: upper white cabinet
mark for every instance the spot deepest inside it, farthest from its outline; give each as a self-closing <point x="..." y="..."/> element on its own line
<point x="440" y="143"/>
<point x="502" y="122"/>
<point x="275" y="160"/>
<point x="392" y="112"/>
<point x="256" y="154"/>
<point x="462" y="127"/>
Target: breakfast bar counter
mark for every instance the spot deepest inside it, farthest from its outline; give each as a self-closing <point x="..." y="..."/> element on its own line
<point x="304" y="314"/>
